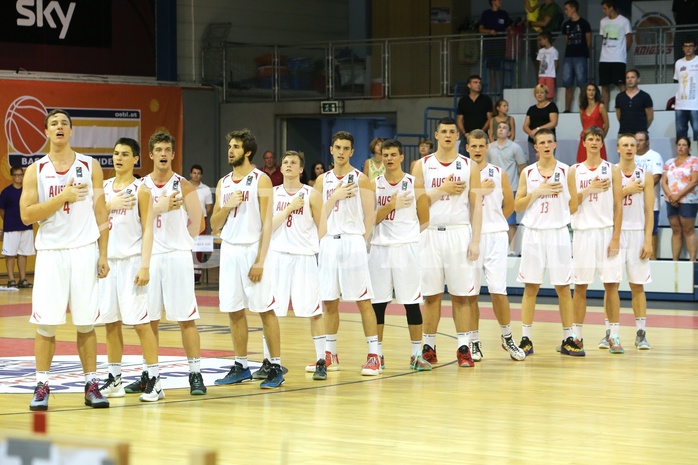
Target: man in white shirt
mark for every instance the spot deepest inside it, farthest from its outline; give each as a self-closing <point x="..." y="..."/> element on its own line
<point x="203" y="192"/>
<point x="652" y="162"/>
<point x="617" y="39"/>
<point x="686" y="73"/>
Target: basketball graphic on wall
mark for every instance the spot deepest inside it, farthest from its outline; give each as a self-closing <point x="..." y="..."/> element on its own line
<point x="24" y="125"/>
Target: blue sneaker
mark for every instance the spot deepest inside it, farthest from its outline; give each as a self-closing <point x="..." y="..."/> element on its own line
<point x="275" y="378"/>
<point x="39" y="402"/>
<point x="93" y="397"/>
<point x="236" y="375"/>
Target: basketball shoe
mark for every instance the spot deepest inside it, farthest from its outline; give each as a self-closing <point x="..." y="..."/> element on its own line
<point x="526" y="345"/>
<point x="604" y="342"/>
<point x="641" y="340"/>
<point x="614" y="346"/>
<point x="429" y="354"/>
<point x="372" y="367"/>
<point x="94" y="398"/>
<point x="331" y="363"/>
<point x="515" y="352"/>
<point x="263" y="371"/>
<point x="196" y="384"/>
<point x="320" y="373"/>
<point x="465" y="359"/>
<point x="275" y="378"/>
<point x="236" y="375"/>
<point x="417" y="363"/>
<point x="138" y="385"/>
<point x="153" y="391"/>
<point x="476" y="351"/>
<point x="113" y="387"/>
<point x="573" y="347"/>
<point x="39" y="402"/>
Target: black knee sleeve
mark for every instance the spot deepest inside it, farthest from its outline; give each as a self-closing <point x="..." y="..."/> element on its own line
<point x="379" y="310"/>
<point x="414" y="315"/>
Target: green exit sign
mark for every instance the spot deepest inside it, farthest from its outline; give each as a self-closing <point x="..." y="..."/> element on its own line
<point x="331" y="107"/>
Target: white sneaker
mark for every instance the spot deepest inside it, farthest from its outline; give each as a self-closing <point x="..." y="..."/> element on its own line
<point x="515" y="352"/>
<point x="113" y="387"/>
<point x="476" y="350"/>
<point x="153" y="391"/>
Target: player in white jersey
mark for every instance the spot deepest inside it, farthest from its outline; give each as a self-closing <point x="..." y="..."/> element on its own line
<point x="293" y="254"/>
<point x="449" y="248"/>
<point x="636" y="234"/>
<point x="63" y="193"/>
<point x="497" y="206"/>
<point x="402" y="212"/>
<point x="123" y="297"/>
<point x="177" y="220"/>
<point x="346" y="224"/>
<point x="596" y="240"/>
<point x="243" y="210"/>
<point x="547" y="196"/>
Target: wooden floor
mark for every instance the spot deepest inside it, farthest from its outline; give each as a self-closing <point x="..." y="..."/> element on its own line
<point x="636" y="408"/>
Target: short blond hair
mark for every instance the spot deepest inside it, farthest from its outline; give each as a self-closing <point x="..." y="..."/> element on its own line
<point x="542" y="87"/>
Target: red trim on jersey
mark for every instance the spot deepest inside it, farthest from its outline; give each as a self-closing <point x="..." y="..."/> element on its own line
<point x="62" y="172"/>
<point x="562" y="169"/>
<point x="427" y="157"/>
<point x="160" y="186"/>
<point x="41" y="166"/>
<point x="85" y="163"/>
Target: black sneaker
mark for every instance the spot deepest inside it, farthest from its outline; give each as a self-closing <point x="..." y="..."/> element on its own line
<point x="138" y="385"/>
<point x="196" y="384"/>
<point x="526" y="345"/>
<point x="320" y="370"/>
<point x="274" y="379"/>
<point x="263" y="371"/>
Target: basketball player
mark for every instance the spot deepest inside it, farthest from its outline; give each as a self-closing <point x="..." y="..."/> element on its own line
<point x="635" y="234"/>
<point x="348" y="218"/>
<point x="403" y="212"/>
<point x="292" y="256"/>
<point x="596" y="240"/>
<point x="243" y="211"/>
<point x="449" y="249"/>
<point x="547" y="196"/>
<point x="177" y="220"/>
<point x="63" y="193"/>
<point x="497" y="206"/>
<point x="123" y="295"/>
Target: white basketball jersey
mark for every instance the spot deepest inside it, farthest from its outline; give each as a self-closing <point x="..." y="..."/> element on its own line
<point x="347" y="216"/>
<point x="633" y="204"/>
<point x="401" y="226"/>
<point x="447" y="210"/>
<point x="244" y="223"/>
<point x="596" y="210"/>
<point x="169" y="228"/>
<point x="125" y="230"/>
<point x="297" y="234"/>
<point x="74" y="224"/>
<point x="493" y="219"/>
<point x="547" y="211"/>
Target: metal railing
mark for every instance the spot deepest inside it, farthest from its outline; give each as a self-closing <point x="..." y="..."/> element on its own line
<point x="415" y="67"/>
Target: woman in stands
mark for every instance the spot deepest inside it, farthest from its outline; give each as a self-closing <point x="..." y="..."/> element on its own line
<point x="592" y="112"/>
<point x="542" y="115"/>
<point x="681" y="194"/>
<point x="373" y="167"/>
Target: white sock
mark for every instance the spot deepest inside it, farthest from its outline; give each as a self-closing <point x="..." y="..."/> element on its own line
<point x="608" y="326"/>
<point x="275" y="360"/>
<point x="430" y="340"/>
<point x="416" y="347"/>
<point x="320" y="347"/>
<point x="380" y="349"/>
<point x="577" y="330"/>
<point x="506" y="330"/>
<point x="526" y="331"/>
<point x="463" y="339"/>
<point x="115" y="369"/>
<point x="331" y="343"/>
<point x="372" y="344"/>
<point x="615" y="329"/>
<point x="194" y="365"/>
<point x="90" y="376"/>
<point x="153" y="371"/>
<point x="475" y="335"/>
<point x="42" y="377"/>
<point x="242" y="361"/>
<point x="567" y="332"/>
<point x="266" y="348"/>
<point x="640" y="323"/>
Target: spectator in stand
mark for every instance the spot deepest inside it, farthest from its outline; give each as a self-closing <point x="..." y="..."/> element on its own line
<point x="575" y="66"/>
<point x="542" y="115"/>
<point x="685" y="13"/>
<point x="426" y="147"/>
<point x="634" y="107"/>
<point x="549" y="18"/>
<point x="18" y="238"/>
<point x="653" y="163"/>
<point x="475" y="108"/>
<point x="318" y="169"/>
<point x="592" y="112"/>
<point x="271" y="169"/>
<point x="679" y="185"/>
<point x="494" y="21"/>
<point x="532" y="9"/>
<point x="501" y="115"/>
<point x="547" y="62"/>
<point x="686" y="103"/>
<point x="373" y="166"/>
<point x="617" y="39"/>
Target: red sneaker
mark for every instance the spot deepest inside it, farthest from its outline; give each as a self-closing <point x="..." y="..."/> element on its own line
<point x="464" y="357"/>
